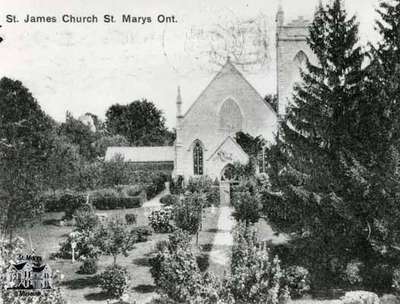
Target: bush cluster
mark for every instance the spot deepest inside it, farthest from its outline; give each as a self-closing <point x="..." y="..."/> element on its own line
<point x="160" y="221"/>
<point x="89" y="266"/>
<point x="169" y="200"/>
<point x="114" y="280"/>
<point x="130" y="218"/>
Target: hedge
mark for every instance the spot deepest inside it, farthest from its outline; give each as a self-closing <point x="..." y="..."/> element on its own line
<point x="109" y="202"/>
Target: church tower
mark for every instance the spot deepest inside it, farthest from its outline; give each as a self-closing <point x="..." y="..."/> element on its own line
<point x="292" y="52"/>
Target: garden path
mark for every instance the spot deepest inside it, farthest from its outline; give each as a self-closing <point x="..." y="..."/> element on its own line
<point x="220" y="250"/>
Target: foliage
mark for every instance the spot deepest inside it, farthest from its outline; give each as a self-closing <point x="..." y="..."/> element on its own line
<point x="79" y="134"/>
<point x="115" y="238"/>
<point x="142" y="233"/>
<point x="246" y="200"/>
<point x="89" y="266"/>
<point x="187" y="213"/>
<point x="114" y="280"/>
<point x="352" y="273"/>
<point x="296" y="278"/>
<point x="272" y="100"/>
<point x="9" y="249"/>
<point x="25" y="139"/>
<point x="255" y="276"/>
<point x="160" y="220"/>
<point x="396" y="281"/>
<point x="204" y="185"/>
<point x="86" y="245"/>
<point x="101" y="144"/>
<point x="115" y="172"/>
<point x="71" y="202"/>
<point x="179" y="239"/>
<point x="178" y="271"/>
<point x="86" y="218"/>
<point x="176" y="185"/>
<point x="140" y="122"/>
<point x="48" y="296"/>
<point x="334" y="168"/>
<point x="169" y="200"/>
<point x="130" y="218"/>
<point x="251" y="145"/>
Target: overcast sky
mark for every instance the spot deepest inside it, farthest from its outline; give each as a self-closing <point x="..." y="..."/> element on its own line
<point x="88" y="67"/>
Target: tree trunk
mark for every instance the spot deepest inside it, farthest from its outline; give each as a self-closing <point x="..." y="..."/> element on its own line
<point x="115" y="260"/>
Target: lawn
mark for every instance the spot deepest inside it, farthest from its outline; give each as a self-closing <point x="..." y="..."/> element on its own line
<point x="78" y="288"/>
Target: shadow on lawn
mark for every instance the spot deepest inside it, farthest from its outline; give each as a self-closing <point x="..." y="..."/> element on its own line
<point x="97" y="296"/>
<point x="81" y="283"/>
<point x="144" y="262"/>
<point x="54" y="222"/>
<point x="144" y="288"/>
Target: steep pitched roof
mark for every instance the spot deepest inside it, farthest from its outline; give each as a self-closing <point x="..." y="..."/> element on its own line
<point x="229" y="67"/>
<point x="141" y="154"/>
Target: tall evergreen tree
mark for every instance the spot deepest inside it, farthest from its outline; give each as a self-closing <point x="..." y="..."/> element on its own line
<point x="316" y="177"/>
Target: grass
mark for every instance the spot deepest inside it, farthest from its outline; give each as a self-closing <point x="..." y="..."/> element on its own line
<point x="78" y="288"/>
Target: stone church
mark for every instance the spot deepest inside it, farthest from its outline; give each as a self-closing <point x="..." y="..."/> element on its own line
<point x="205" y="143"/>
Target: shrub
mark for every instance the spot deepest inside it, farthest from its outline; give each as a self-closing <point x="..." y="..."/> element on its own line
<point x="86" y="218"/>
<point x="89" y="266"/>
<point x="142" y="233"/>
<point x="109" y="203"/>
<point x="130" y="218"/>
<point x="256" y="277"/>
<point x="48" y="296"/>
<point x="213" y="196"/>
<point x="169" y="199"/>
<point x="187" y="213"/>
<point x="176" y="185"/>
<point x="86" y="245"/>
<point x="178" y="239"/>
<point x="71" y="202"/>
<point x="297" y="279"/>
<point x="160" y="221"/>
<point x="396" y="281"/>
<point x="247" y="207"/>
<point x="352" y="273"/>
<point x="114" y="280"/>
<point x="178" y="271"/>
<point x="200" y="184"/>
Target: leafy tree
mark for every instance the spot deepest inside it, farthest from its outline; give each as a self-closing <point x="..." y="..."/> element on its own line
<point x="187" y="213"/>
<point x="116" y="237"/>
<point x="24" y="143"/>
<point x="101" y="144"/>
<point x="62" y="164"/>
<point x="80" y="135"/>
<point x="246" y="200"/>
<point x="317" y="180"/>
<point x="115" y="172"/>
<point x="272" y="100"/>
<point x="140" y="122"/>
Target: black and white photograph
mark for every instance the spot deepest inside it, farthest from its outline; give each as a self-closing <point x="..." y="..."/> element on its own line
<point x="200" y="151"/>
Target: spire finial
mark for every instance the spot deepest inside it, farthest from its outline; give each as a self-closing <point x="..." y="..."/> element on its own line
<point x="280" y="15"/>
<point x="179" y="97"/>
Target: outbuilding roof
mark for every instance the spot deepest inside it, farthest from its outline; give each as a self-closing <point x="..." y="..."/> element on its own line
<point x="142" y="154"/>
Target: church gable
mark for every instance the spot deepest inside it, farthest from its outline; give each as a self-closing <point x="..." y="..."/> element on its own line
<point x="230" y="102"/>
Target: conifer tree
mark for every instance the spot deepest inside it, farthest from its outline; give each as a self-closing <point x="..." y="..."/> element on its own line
<point x="317" y="180"/>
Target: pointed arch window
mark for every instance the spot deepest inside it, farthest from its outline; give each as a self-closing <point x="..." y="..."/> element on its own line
<point x="300" y="59"/>
<point x="198" y="167"/>
<point x="230" y="116"/>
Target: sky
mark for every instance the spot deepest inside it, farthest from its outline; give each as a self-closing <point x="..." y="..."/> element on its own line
<point x="87" y="67"/>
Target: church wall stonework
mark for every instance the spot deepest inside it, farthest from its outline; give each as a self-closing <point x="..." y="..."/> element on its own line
<point x="203" y="121"/>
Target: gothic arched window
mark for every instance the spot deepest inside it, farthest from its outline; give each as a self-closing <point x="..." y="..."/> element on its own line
<point x="300" y="59"/>
<point x="230" y="116"/>
<point x="198" y="159"/>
